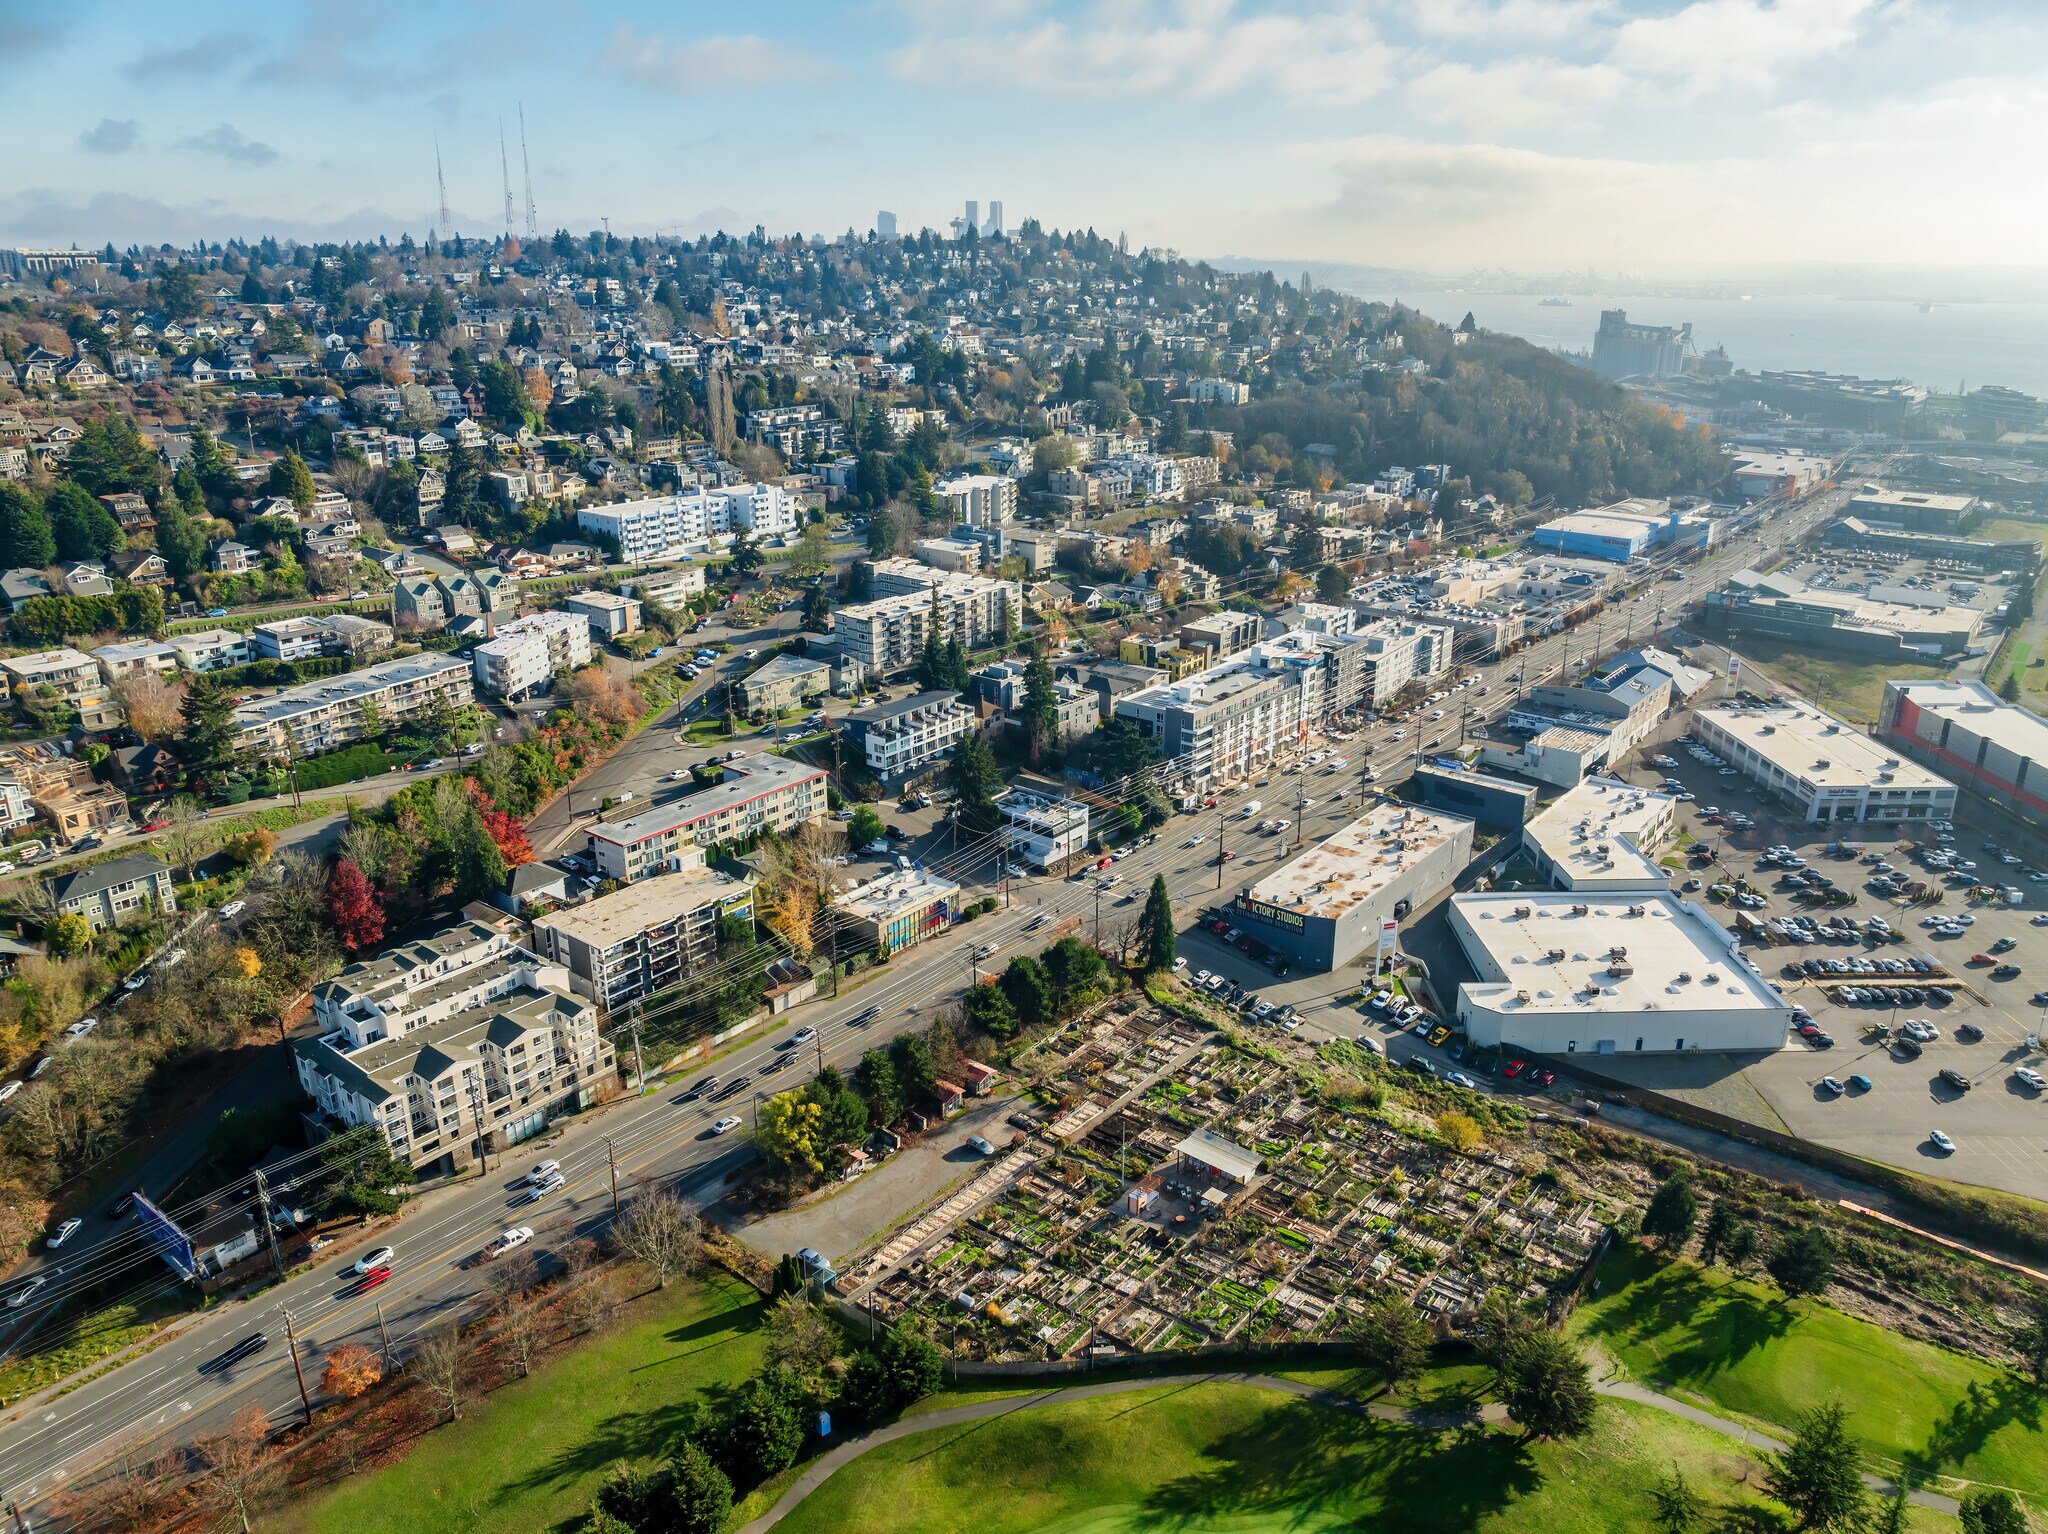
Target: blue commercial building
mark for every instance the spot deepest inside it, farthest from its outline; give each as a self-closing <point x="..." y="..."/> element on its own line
<point x="1624" y="531"/>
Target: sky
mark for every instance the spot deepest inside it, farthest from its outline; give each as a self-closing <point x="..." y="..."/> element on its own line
<point x="1652" y="136"/>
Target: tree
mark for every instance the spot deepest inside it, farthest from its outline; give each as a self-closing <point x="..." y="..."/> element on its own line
<point x="289" y="477"/>
<point x="1041" y="706"/>
<point x="800" y="1339"/>
<point x="1819" y="1474"/>
<point x="1547" y="1387"/>
<point x="1804" y="1262"/>
<point x="211" y="741"/>
<point x="1029" y="991"/>
<point x="660" y="1232"/>
<point x="903" y="1366"/>
<point x="353" y="907"/>
<point x="702" y="1492"/>
<point x="154" y="704"/>
<point x="818" y="610"/>
<point x="237" y="1471"/>
<point x="989" y="1010"/>
<point x="787" y="1132"/>
<point x="2009" y="689"/>
<point x="1074" y="971"/>
<point x="881" y="1086"/>
<point x="2032" y="1341"/>
<point x="351" y="1369"/>
<point x="185" y="836"/>
<point x="1672" y="1212"/>
<point x="1332" y="584"/>
<point x="1393" y="1340"/>
<point x="480" y="865"/>
<point x="25" y="539"/>
<point x="81" y="526"/>
<point x="1723" y="1220"/>
<point x="764" y="1431"/>
<point x="67" y="933"/>
<point x="251" y="848"/>
<point x="746" y="555"/>
<point x="975" y="779"/>
<point x="1156" y="928"/>
<point x="1676" y="1507"/>
<point x="1461" y="1130"/>
<point x="441" y="1365"/>
<point x="865" y="827"/>
<point x="1304" y="549"/>
<point x="1993" y="1511"/>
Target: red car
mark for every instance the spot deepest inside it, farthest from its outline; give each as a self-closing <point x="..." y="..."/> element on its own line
<point x="1514" y="1068"/>
<point x="1982" y="958"/>
<point x="154" y="825"/>
<point x="1224" y="857"/>
<point x="372" y="1279"/>
<point x="1543" y="1078"/>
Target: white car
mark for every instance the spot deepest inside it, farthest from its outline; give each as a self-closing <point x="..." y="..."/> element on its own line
<point x="511" y="1237"/>
<point x="6" y="868"/>
<point x="1941" y="1142"/>
<point x="1179" y="963"/>
<point x="2032" y="1078"/>
<point x="980" y="1146"/>
<point x="1203" y="977"/>
<point x="544" y="1171"/>
<point x="726" y="1125"/>
<point x="63" y="1233"/>
<point x="1965" y="919"/>
<point x="1194" y="841"/>
<point x="81" y="1028"/>
<point x="26" y="1292"/>
<point x="233" y="909"/>
<point x="378" y="1257"/>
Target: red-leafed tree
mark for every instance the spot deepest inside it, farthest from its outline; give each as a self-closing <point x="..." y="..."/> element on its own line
<point x="504" y="829"/>
<point x="352" y="906"/>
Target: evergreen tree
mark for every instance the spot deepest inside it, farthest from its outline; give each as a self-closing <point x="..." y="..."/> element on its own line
<point x="81" y="526"/>
<point x="1547" y="1387"/>
<point x="701" y="1491"/>
<point x="25" y="538"/>
<point x="289" y="477"/>
<point x="1723" y="1220"/>
<point x="1393" y="1340"/>
<point x="1993" y="1511"/>
<point x="1304" y="549"/>
<point x="746" y="555"/>
<point x="1819" y="1475"/>
<point x="1672" y="1211"/>
<point x="1041" y="707"/>
<point x="975" y="780"/>
<point x="1156" y="927"/>
<point x="210" y="740"/>
<point x="179" y="537"/>
<point x="1804" y="1262"/>
<point x="1030" y="992"/>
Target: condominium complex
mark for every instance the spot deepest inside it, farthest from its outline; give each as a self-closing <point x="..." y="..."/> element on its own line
<point x="760" y="793"/>
<point x="460" y="1043"/>
<point x="331" y="634"/>
<point x="979" y="500"/>
<point x="528" y="651"/>
<point x="900" y="737"/>
<point x="667" y="526"/>
<point x="1239" y="716"/>
<point x="646" y="937"/>
<point x="912" y="601"/>
<point x="320" y="716"/>
<point x="1400" y="652"/>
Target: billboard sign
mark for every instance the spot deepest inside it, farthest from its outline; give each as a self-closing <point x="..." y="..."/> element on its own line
<point x="171" y="1242"/>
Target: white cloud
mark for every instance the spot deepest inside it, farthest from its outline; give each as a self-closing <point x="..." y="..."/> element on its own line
<point x="1748" y="43"/>
<point x="1527" y="93"/>
<point x="662" y="62"/>
<point x="1200" y="47"/>
<point x="1491" y="20"/>
<point x="226" y="142"/>
<point x="111" y="136"/>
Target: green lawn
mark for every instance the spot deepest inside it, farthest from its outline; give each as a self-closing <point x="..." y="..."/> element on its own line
<point x="1741" y="1348"/>
<point x="1237" y="1458"/>
<point x="530" y="1456"/>
<point x="1839" y="683"/>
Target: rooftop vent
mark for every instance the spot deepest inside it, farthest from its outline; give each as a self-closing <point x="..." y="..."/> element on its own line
<point x="1554" y="955"/>
<point x="1580" y="910"/>
<point x="1710" y="979"/>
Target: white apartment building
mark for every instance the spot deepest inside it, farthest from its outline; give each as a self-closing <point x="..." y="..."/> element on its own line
<point x="1824" y="770"/>
<point x="135" y="657"/>
<point x="455" y="1045"/>
<point x="672" y="587"/>
<point x="667" y="526"/>
<point x="760" y="793"/>
<point x="900" y="737"/>
<point x="888" y="634"/>
<point x="530" y="650"/>
<point x="1400" y="652"/>
<point x="323" y="715"/>
<point x="979" y="500"/>
<point x="212" y="650"/>
<point x="644" y="938"/>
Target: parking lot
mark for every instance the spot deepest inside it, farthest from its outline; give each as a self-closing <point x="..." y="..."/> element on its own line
<point x="1998" y="1124"/>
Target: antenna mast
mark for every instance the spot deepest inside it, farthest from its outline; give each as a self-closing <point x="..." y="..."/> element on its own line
<point x="441" y="180"/>
<point x="505" y="169"/>
<point x="526" y="166"/>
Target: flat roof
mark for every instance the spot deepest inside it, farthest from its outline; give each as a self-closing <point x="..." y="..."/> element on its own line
<point x="1798" y="739"/>
<point x="1878" y="496"/>
<point x="340" y="689"/>
<point x="1604" y="524"/>
<point x="750" y="778"/>
<point x="1597" y="814"/>
<point x="879" y="899"/>
<point x="1663" y="937"/>
<point x="626" y="913"/>
<point x="1357" y="862"/>
<point x="1983" y="713"/>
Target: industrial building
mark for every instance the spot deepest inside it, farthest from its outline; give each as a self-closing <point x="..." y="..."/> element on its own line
<point x="1625" y="973"/>
<point x="1623" y="531"/>
<point x="1824" y="771"/>
<point x="759" y="793"/>
<point x="1502" y="803"/>
<point x="1997" y="748"/>
<point x="1602" y="835"/>
<point x="1883" y="627"/>
<point x="646" y="937"/>
<point x="1326" y="906"/>
<point x="1917" y="511"/>
<point x="2020" y="555"/>
<point x="1622" y="350"/>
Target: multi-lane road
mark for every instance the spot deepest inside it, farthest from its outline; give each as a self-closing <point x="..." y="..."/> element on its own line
<point x="60" y="1440"/>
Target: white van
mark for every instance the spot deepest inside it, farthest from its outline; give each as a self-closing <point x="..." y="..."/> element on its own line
<point x="1251" y="808"/>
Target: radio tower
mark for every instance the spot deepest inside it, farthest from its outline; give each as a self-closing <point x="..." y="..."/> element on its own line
<point x="442" y="181"/>
<point x="505" y="169"/>
<point x="526" y="166"/>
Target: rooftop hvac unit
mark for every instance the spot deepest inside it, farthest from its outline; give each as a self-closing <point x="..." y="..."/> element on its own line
<point x="1554" y="955"/>
<point x="1710" y="979"/>
<point x="1685" y="977"/>
<point x="1769" y="729"/>
<point x="1580" y="910"/>
<point x="1617" y="952"/>
<point x="1822" y="765"/>
<point x="1636" y="910"/>
<point x="1891" y="761"/>
<point x="1602" y="849"/>
<point x="1522" y="997"/>
<point x="1521" y="910"/>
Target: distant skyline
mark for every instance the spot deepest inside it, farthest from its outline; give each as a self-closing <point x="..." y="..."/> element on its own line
<point x="1655" y="136"/>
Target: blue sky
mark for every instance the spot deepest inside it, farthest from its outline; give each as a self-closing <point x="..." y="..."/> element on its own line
<point x="1646" y="135"/>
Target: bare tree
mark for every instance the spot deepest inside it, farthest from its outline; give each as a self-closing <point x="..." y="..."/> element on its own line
<point x="154" y="704"/>
<point x="186" y="836"/>
<point x="237" y="1470"/>
<point x="658" y="1230"/>
<point x="440" y="1365"/>
<point x="586" y="1297"/>
<point x="523" y="1330"/>
<point x="132" y="1496"/>
<point x="511" y="1278"/>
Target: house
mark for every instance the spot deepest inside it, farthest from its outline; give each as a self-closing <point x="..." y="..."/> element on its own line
<point x="87" y="578"/>
<point x="142" y="567"/>
<point x="17" y="586"/>
<point x="212" y="649"/>
<point x="120" y="890"/>
<point x="234" y="558"/>
<point x="122" y="662"/>
<point x="129" y="509"/>
<point x="149" y="769"/>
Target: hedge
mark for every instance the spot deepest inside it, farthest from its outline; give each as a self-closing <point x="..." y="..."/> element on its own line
<point x="346" y="766"/>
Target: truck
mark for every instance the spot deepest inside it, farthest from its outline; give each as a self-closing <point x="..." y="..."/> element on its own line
<point x="1251" y="808"/>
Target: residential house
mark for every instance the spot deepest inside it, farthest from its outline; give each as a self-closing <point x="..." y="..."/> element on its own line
<point x="117" y="892"/>
<point x="142" y="567"/>
<point x="231" y="558"/>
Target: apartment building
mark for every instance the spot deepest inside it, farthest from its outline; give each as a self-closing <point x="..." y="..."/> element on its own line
<point x="1221" y="634"/>
<point x="528" y="651"/>
<point x="609" y="615"/>
<point x="117" y="891"/>
<point x="667" y="526"/>
<point x="759" y="793"/>
<point x="912" y="601"/>
<point x="979" y="500"/>
<point x="323" y="715"/>
<point x="900" y="737"/>
<point x="645" y="938"/>
<point x="211" y="649"/>
<point x="1400" y="652"/>
<point x="671" y="588"/>
<point x="1040" y="831"/>
<point x="332" y="634"/>
<point x="458" y="1044"/>
<point x="131" y="658"/>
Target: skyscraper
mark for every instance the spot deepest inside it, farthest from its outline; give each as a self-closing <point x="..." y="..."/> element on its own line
<point x="885" y="225"/>
<point x="973" y="219"/>
<point x="993" y="229"/>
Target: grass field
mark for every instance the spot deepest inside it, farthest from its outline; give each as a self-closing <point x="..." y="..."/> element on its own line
<point x="1236" y="1458"/>
<point x="1839" y="683"/>
<point x="529" y="1457"/>
<point x="1742" y="1349"/>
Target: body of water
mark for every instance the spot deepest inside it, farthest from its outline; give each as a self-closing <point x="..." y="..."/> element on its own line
<point x="1951" y="345"/>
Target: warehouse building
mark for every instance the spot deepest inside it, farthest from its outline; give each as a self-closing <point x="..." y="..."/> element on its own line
<point x="1994" y="747"/>
<point x="1916" y="510"/>
<point x="1882" y="625"/>
<point x="1623" y="531"/>
<point x="1823" y="770"/>
<point x="1326" y="907"/>
<point x="1501" y="803"/>
<point x="1604" y="835"/>
<point x="1625" y="973"/>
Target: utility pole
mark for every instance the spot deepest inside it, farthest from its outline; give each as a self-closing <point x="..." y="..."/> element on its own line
<point x="476" y="1113"/>
<point x="639" y="1065"/>
<point x="1219" y="846"/>
<point x="1098" y="912"/>
<point x="384" y="1332"/>
<point x="298" y="1368"/>
<point x="1300" y="798"/>
<point x="611" y="1160"/>
<point x="269" y="1226"/>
